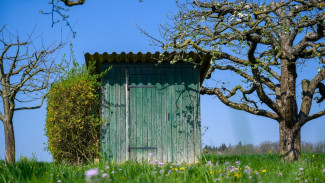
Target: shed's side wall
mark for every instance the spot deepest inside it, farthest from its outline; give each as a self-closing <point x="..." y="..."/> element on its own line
<point x="184" y="142"/>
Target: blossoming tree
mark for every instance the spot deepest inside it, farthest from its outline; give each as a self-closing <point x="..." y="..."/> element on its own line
<point x="264" y="44"/>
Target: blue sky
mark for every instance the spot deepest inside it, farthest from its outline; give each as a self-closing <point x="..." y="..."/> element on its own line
<point x="109" y="26"/>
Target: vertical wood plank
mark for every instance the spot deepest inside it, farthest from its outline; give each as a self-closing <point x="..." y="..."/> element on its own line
<point x="191" y="114"/>
<point x="197" y="119"/>
<point x="153" y="127"/>
<point x="139" y="118"/>
<point x="127" y="95"/>
<point x="118" y="113"/>
<point x="104" y="132"/>
<point x="186" y="108"/>
<point x="122" y="149"/>
<point x="133" y="116"/>
<point x="172" y="114"/>
<point x="112" y="118"/>
<point x="159" y="100"/>
<point x="145" y="112"/>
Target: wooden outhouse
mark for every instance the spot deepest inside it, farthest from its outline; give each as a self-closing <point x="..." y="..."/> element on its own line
<point x="151" y="108"/>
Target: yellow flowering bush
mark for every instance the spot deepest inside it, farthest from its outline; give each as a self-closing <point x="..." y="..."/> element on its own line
<point x="73" y="118"/>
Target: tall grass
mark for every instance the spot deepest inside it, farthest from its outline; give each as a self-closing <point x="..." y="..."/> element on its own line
<point x="212" y="168"/>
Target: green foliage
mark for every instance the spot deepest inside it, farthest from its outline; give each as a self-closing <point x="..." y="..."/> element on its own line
<point x="73" y="120"/>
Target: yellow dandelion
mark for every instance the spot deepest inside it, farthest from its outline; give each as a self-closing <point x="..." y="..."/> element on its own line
<point x="175" y="169"/>
<point x="219" y="171"/>
<point x="248" y="168"/>
<point x="212" y="172"/>
<point x="237" y="175"/>
<point x="263" y="171"/>
<point x="255" y="171"/>
<point x="181" y="168"/>
<point x="313" y="156"/>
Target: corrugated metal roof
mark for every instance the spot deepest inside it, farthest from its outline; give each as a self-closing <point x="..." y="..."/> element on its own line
<point x="196" y="58"/>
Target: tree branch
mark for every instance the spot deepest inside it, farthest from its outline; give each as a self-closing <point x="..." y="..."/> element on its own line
<point x="241" y="106"/>
<point x="35" y="107"/>
<point x="73" y="3"/>
<point x="313" y="116"/>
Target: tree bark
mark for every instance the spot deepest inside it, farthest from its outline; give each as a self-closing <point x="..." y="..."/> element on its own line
<point x="9" y="141"/>
<point x="290" y="141"/>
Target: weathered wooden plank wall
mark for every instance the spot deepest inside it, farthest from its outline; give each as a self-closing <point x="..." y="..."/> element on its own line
<point x="164" y="116"/>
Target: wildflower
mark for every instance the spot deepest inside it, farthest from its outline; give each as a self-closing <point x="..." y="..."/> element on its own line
<point x="280" y="174"/>
<point x="237" y="175"/>
<point x="217" y="163"/>
<point x="91" y="172"/>
<point x="209" y="163"/>
<point x="120" y="169"/>
<point x="106" y="167"/>
<point x="169" y="171"/>
<point x="212" y="172"/>
<point x="232" y="168"/>
<point x="313" y="156"/>
<point x="175" y="169"/>
<point x="306" y="180"/>
<point x="227" y="163"/>
<point x="301" y="169"/>
<point x="154" y="172"/>
<point x="250" y="177"/>
<point x="59" y="180"/>
<point x="219" y="171"/>
<point x="248" y="171"/>
<point x="161" y="163"/>
<point x="247" y="167"/>
<point x="112" y="172"/>
<point x="161" y="171"/>
<point x="105" y="175"/>
<point x="217" y="179"/>
<point x="263" y="171"/>
<point x="237" y="163"/>
<point x="150" y="154"/>
<point x="324" y="170"/>
<point x="181" y="168"/>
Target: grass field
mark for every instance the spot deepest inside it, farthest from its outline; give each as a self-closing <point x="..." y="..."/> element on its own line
<point x="244" y="168"/>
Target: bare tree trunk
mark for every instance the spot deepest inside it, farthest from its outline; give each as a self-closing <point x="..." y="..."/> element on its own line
<point x="9" y="141"/>
<point x="290" y="142"/>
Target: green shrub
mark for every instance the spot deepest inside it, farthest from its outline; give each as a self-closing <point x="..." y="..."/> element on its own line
<point x="73" y="119"/>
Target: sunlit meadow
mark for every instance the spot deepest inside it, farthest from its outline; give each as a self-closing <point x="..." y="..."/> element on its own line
<point x="212" y="168"/>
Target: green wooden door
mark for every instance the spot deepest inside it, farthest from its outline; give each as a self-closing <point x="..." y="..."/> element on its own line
<point x="149" y="117"/>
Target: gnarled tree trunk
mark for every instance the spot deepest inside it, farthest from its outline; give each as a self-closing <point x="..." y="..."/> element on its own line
<point x="290" y="142"/>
